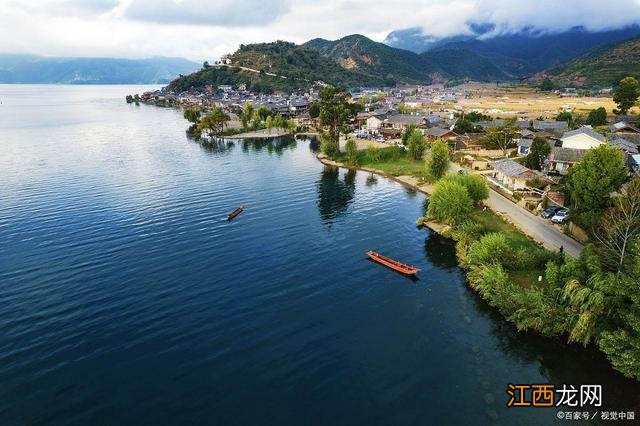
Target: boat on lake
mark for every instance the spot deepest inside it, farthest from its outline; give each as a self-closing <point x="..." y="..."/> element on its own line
<point x="403" y="268"/>
<point x="235" y="213"/>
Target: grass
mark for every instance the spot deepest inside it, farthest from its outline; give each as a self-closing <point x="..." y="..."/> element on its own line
<point x="392" y="161"/>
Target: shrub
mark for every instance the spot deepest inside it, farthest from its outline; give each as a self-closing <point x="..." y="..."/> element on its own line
<point x="475" y="184"/>
<point x="491" y="248"/>
<point x="416" y="145"/>
<point x="449" y="203"/>
<point x="374" y="154"/>
<point x="351" y="149"/>
<point x="438" y="162"/>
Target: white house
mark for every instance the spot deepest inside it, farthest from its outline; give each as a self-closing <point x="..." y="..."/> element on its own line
<point x="583" y="138"/>
<point x="372" y="125"/>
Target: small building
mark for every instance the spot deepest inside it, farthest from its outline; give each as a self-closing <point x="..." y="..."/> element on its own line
<point x="434" y="133"/>
<point x="561" y="159"/>
<point x="513" y="176"/>
<point x="583" y="138"/>
<point x="556" y="128"/>
<point x="623" y="127"/>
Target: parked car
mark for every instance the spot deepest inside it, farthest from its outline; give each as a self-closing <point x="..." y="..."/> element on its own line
<point x="561" y="216"/>
<point x="550" y="212"/>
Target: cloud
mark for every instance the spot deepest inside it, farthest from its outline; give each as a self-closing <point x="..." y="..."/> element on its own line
<point x="205" y="29"/>
<point x="228" y="13"/>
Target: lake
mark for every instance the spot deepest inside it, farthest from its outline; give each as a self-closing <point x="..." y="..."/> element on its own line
<point x="127" y="298"/>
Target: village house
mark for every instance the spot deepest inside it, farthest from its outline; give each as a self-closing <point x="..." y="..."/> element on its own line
<point x="394" y="125"/>
<point x="511" y="175"/>
<point x="434" y="133"/>
<point x="583" y="138"/>
<point x="555" y="128"/>
<point x="561" y="159"/>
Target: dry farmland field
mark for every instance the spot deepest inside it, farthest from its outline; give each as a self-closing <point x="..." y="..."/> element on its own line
<point x="525" y="102"/>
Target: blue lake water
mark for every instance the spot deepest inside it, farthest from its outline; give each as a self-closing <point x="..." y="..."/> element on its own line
<point x="127" y="298"/>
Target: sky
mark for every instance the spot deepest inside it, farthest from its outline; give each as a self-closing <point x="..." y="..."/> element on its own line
<point x="206" y="29"/>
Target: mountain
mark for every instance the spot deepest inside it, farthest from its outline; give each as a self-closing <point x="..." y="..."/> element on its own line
<point x="459" y="63"/>
<point x="47" y="70"/>
<point x="518" y="54"/>
<point x="604" y="66"/>
<point x="284" y="66"/>
<point x="357" y="52"/>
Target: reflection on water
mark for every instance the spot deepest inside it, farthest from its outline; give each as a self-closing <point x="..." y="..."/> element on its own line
<point x="440" y="251"/>
<point x="371" y="179"/>
<point x="335" y="194"/>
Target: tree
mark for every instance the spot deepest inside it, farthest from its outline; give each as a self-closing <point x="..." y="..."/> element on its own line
<point x="463" y="126"/>
<point x="269" y="123"/>
<point x="246" y="114"/>
<point x="438" y="162"/>
<point x="206" y="65"/>
<point x="546" y="85"/>
<point x="373" y="153"/>
<point x="538" y="153"/>
<point x="565" y="116"/>
<point x="500" y="137"/>
<point x="264" y="112"/>
<point x="626" y="94"/>
<point x="192" y="115"/>
<point x="416" y="145"/>
<point x="351" y="149"/>
<point x="407" y="132"/>
<point x="591" y="181"/>
<point x="256" y="120"/>
<point x="597" y="117"/>
<point x="314" y="110"/>
<point x="450" y="203"/>
<point x="213" y="123"/>
<point x="619" y="227"/>
<point x="475" y="185"/>
<point x="335" y="114"/>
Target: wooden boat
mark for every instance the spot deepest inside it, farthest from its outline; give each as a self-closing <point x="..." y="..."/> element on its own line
<point x="235" y="213"/>
<point x="393" y="264"/>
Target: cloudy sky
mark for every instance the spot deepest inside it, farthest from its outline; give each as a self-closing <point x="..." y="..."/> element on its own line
<point x="205" y="29"/>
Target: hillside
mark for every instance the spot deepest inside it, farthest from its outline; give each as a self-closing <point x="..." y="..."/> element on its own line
<point x="461" y="63"/>
<point x="357" y="52"/>
<point x="519" y="54"/>
<point x="47" y="70"/>
<point x="601" y="67"/>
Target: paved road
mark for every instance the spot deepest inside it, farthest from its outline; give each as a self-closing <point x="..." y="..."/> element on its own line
<point x="539" y="229"/>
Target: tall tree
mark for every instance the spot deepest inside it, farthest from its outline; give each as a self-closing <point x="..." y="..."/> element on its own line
<point x="538" y="153"/>
<point x="619" y="227"/>
<point x="501" y="137"/>
<point x="626" y="94"/>
<point x="335" y="114"/>
<point x="213" y="123"/>
<point x="438" y="162"/>
<point x="416" y="145"/>
<point x="192" y="115"/>
<point x="591" y="181"/>
<point x="247" y="114"/>
<point x="597" y="117"/>
<point x="351" y="150"/>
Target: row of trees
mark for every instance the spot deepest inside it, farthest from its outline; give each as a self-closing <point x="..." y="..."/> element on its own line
<point x="212" y="124"/>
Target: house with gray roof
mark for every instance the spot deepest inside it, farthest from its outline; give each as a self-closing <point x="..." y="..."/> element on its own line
<point x="556" y="128"/>
<point x="583" y="138"/>
<point x="513" y="175"/>
<point x="561" y="159"/>
<point x="623" y="127"/>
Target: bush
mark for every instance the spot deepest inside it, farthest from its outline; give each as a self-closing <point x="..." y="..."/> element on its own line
<point x="416" y="145"/>
<point x="351" y="150"/>
<point x="374" y="154"/>
<point x="475" y="184"/>
<point x="329" y="147"/>
<point x="438" y="163"/>
<point x="450" y="203"/>
<point x="491" y="248"/>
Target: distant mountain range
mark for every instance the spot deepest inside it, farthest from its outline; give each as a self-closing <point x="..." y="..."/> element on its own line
<point x="520" y="54"/>
<point x="575" y="57"/>
<point x="30" y="69"/>
<point x="601" y="67"/>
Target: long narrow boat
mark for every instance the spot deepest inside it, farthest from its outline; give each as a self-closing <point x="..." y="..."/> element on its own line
<point x="235" y="213"/>
<point x="393" y="264"/>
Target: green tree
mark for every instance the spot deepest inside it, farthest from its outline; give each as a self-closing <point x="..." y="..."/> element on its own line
<point x="475" y="184"/>
<point x="438" y="162"/>
<point x="373" y="153"/>
<point x="247" y="114"/>
<point x="213" y="123"/>
<point x="407" y="132"/>
<point x="256" y="120"/>
<point x="416" y="145"/>
<point x="546" y="85"/>
<point x="264" y="112"/>
<point x="500" y="137"/>
<point x="463" y="126"/>
<point x="591" y="181"/>
<point x="538" y="153"/>
<point x="450" y="203"/>
<point x="314" y="110"/>
<point x="269" y="123"/>
<point x="597" y="117"/>
<point x="626" y="94"/>
<point x="192" y="115"/>
<point x="335" y="114"/>
<point x="565" y="116"/>
<point x="351" y="150"/>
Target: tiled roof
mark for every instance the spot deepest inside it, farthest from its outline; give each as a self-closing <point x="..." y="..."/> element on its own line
<point x="586" y="130"/>
<point x="512" y="169"/>
<point x="566" y="155"/>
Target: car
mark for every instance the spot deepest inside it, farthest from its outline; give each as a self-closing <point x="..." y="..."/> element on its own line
<point x="561" y="216"/>
<point x="550" y="212"/>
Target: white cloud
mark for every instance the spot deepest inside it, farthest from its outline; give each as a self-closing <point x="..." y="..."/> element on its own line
<point x="205" y="29"/>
